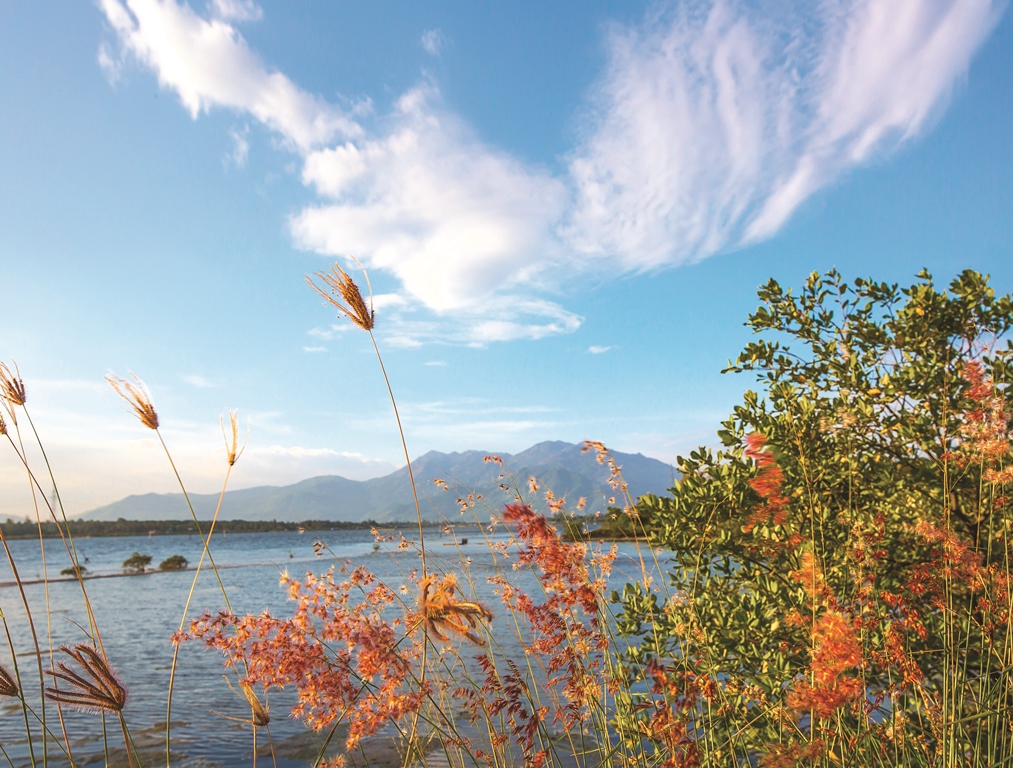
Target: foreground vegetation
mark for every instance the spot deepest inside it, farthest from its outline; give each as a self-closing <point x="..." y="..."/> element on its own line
<point x="831" y="587"/>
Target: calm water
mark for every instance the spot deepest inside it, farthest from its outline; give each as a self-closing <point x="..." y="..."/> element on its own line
<point x="138" y="615"/>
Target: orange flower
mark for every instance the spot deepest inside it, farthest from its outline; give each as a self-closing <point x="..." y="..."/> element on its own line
<point x="767" y="484"/>
<point x="836" y="651"/>
<point x="343" y="657"/>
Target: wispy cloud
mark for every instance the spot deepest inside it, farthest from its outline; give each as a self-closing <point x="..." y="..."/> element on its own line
<point x="497" y="319"/>
<point x="326" y="334"/>
<point x="209" y="64"/>
<point x="110" y="65"/>
<point x="713" y="123"/>
<point x="708" y="128"/>
<point x="236" y="10"/>
<point x="240" y="151"/>
<point x="596" y="350"/>
<point x="284" y="464"/>
<point x="432" y="41"/>
<point x="197" y="381"/>
<point x="314" y="349"/>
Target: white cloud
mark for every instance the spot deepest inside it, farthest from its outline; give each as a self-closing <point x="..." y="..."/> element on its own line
<point x="236" y="10"/>
<point x="403" y="342"/>
<point x="198" y="381"/>
<point x="382" y="301"/>
<point x="208" y="64"/>
<point x="498" y="318"/>
<point x="432" y="41"/>
<point x="452" y="218"/>
<point x="435" y="363"/>
<point x="285" y="464"/>
<point x="240" y="151"/>
<point x="596" y="350"/>
<point x="471" y="406"/>
<point x="110" y="66"/>
<point x="314" y="349"/>
<point x="713" y="123"/>
<point x="326" y="334"/>
<point x="710" y="125"/>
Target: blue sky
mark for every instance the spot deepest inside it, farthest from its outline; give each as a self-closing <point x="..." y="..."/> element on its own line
<point x="565" y="209"/>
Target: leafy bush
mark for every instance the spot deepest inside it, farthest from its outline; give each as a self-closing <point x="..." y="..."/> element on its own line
<point x="173" y="563"/>
<point x="841" y="566"/>
<point x="136" y="563"/>
<point x="74" y="570"/>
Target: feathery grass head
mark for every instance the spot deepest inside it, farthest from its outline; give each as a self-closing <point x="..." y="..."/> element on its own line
<point x="8" y="685"/>
<point x="137" y="397"/>
<point x="12" y="388"/>
<point x="96" y="689"/>
<point x="232" y="449"/>
<point x="341" y="291"/>
<point x="3" y="425"/>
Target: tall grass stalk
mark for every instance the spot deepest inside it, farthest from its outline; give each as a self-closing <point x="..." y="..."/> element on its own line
<point x="233" y="452"/>
<point x="341" y="292"/>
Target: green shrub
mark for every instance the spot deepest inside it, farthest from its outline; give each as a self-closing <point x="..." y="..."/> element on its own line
<point x="840" y="567"/>
<point x="136" y="563"/>
<point x="74" y="570"/>
<point x="173" y="563"/>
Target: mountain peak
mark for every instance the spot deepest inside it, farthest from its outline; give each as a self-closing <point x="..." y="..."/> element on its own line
<point x="558" y="465"/>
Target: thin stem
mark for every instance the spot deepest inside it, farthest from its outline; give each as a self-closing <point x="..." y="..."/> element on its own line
<point x="49" y="614"/>
<point x="412" y="737"/>
<point x="186" y="609"/>
<point x="68" y="538"/>
<point x="35" y="642"/>
<point x="196" y="522"/>
<point x="21" y="690"/>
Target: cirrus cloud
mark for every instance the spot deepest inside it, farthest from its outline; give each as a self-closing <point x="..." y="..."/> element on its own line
<point x="710" y="125"/>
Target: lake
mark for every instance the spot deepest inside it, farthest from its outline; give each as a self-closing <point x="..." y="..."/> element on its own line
<point x="137" y="616"/>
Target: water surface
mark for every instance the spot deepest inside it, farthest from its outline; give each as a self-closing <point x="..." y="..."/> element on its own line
<point x="138" y="615"/>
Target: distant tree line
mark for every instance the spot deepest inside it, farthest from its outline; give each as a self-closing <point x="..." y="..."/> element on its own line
<point x="26" y="529"/>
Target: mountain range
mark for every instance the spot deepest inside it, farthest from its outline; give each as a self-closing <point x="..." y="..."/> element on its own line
<point x="562" y="467"/>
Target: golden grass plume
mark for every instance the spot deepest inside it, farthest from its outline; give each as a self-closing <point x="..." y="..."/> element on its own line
<point x="12" y="387"/>
<point x="232" y="449"/>
<point x="137" y="397"/>
<point x="340" y="291"/>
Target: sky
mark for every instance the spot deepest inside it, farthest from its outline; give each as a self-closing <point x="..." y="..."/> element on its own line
<point x="565" y="210"/>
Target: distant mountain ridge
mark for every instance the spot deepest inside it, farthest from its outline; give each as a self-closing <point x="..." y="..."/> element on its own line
<point x="560" y="466"/>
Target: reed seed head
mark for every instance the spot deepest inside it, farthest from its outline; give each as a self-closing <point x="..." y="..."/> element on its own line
<point x="3" y="425"/>
<point x="260" y="715"/>
<point x="340" y="291"/>
<point x="12" y="388"/>
<point x="443" y="612"/>
<point x="95" y="689"/>
<point x="8" y="685"/>
<point x="137" y="397"/>
<point x="232" y="450"/>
